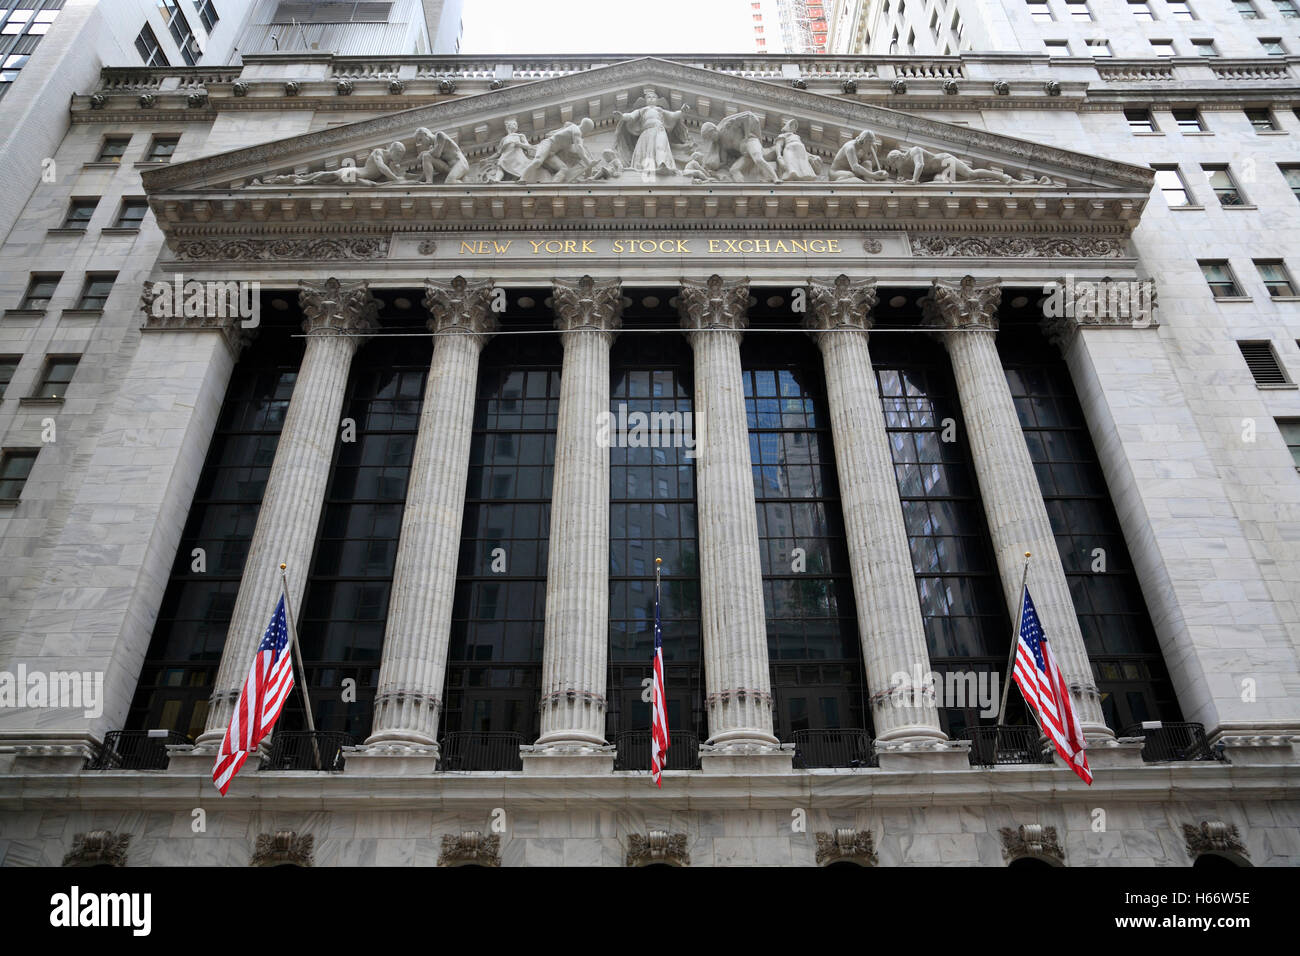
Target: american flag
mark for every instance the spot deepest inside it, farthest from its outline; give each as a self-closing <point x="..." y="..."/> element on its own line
<point x="1043" y="687"/>
<point x="265" y="690"/>
<point x="658" y="711"/>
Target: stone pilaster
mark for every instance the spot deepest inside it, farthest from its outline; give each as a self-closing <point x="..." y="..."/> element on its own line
<point x="339" y="316"/>
<point x="964" y="315"/>
<point x="889" y="613"/>
<point x="575" y="658"/>
<point x="418" y="631"/>
<point x="737" y="679"/>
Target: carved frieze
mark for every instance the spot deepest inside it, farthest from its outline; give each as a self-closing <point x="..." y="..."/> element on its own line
<point x="470" y="847"/>
<point x="311" y="249"/>
<point x="1018" y="247"/>
<point x="283" y="846"/>
<point x="98" y="847"/>
<point x="846" y="844"/>
<point x="1031" y="840"/>
<point x="1213" y="836"/>
<point x="657" y="846"/>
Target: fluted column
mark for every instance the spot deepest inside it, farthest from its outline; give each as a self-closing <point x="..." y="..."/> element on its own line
<point x="418" y="629"/>
<point x="964" y="314"/>
<point x="737" y="680"/>
<point x="575" y="658"/>
<point x="890" y="626"/>
<point x="339" y="317"/>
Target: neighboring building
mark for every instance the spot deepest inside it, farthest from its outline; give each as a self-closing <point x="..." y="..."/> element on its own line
<point x="803" y="26"/>
<point x="353" y="27"/>
<point x="470" y="568"/>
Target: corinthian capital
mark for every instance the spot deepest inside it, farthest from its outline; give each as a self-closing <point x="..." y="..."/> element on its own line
<point x="460" y="304"/>
<point x="968" y="304"/>
<point x="338" y="307"/>
<point x="841" y="304"/>
<point x="587" y="304"/>
<point x="714" y="304"/>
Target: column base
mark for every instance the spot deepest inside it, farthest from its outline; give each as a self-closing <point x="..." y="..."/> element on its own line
<point x="46" y="753"/>
<point x="567" y="759"/>
<point x="923" y="754"/>
<point x="391" y="759"/>
<point x="1108" y="753"/>
<point x="747" y="757"/>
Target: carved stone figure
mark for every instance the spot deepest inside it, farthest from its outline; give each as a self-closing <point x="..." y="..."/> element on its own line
<point x="438" y="154"/>
<point x="858" y="160"/>
<point x="562" y="153"/>
<point x="645" y="136"/>
<point x="607" y="167"/>
<point x="917" y="164"/>
<point x="733" y="151"/>
<point x="514" y="153"/>
<point x="793" y="162"/>
<point x="383" y="165"/>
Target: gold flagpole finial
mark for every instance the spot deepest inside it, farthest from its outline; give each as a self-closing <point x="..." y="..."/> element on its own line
<point x="1026" y="554"/>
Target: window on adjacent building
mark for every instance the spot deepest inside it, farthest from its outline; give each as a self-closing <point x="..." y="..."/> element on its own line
<point x="1078" y="9"/>
<point x="40" y="289"/>
<point x="1204" y="48"/>
<point x="1290" y="429"/>
<point x="1039" y="11"/>
<point x="1292" y="176"/>
<point x="1262" y="120"/>
<point x="79" y="213"/>
<point x="146" y="44"/>
<point x="1218" y="274"/>
<point x="1058" y="47"/>
<point x="8" y="365"/>
<point x="179" y="27"/>
<point x="1272" y="46"/>
<point x="15" y="466"/>
<point x="1170" y="182"/>
<point x="1141" y="9"/>
<point x="1140" y="120"/>
<point x="1224" y="186"/>
<point x="1181" y="9"/>
<point x="94" y="293"/>
<point x="56" y="375"/>
<point x="161" y="149"/>
<point x="1098" y="47"/>
<point x="1163" y="47"/>
<point x="1287" y="8"/>
<point x="1262" y="362"/>
<point x="1246" y="9"/>
<point x="207" y="14"/>
<point x="1276" y="277"/>
<point x="113" y="149"/>
<point x="1189" y="121"/>
<point x="131" y="214"/>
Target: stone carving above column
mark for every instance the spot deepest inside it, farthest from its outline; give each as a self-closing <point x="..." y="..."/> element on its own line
<point x="470" y="848"/>
<point x="1031" y="840"/>
<point x="460" y="305"/>
<point x="657" y="846"/>
<point x="587" y="304"/>
<point x="1018" y="247"/>
<point x="1214" y="836"/>
<point x="840" y="304"/>
<point x="157" y="302"/>
<point x="967" y="304"/>
<point x="284" y="846"/>
<point x="1073" y="305"/>
<point x="98" y="847"/>
<point x="715" y="303"/>
<point x="340" y="308"/>
<point x="846" y="845"/>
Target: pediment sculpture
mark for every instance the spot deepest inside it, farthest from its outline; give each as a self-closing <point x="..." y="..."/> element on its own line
<point x="651" y="143"/>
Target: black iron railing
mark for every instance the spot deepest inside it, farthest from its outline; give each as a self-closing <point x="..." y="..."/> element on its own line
<point x="304" y="750"/>
<point x="135" y="750"/>
<point x="634" y="751"/>
<point x="468" y="750"/>
<point x="833" y="748"/>
<point x="1007" y="744"/>
<point x="1173" y="740"/>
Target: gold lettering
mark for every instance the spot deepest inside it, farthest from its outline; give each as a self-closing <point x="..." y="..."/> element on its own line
<point x="832" y="245"/>
<point x="554" y="246"/>
<point x="798" y="245"/>
<point x="780" y="246"/>
<point x="764" y="245"/>
<point x="713" y="246"/>
<point x="537" y="245"/>
<point x="682" y="245"/>
<point x="466" y="246"/>
<point x="501" y="249"/>
<point x="814" y="244"/>
<point x="618" y="247"/>
<point x="570" y="245"/>
<point x="587" y="247"/>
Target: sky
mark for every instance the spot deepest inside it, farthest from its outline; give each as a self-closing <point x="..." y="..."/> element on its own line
<point x="614" y="26"/>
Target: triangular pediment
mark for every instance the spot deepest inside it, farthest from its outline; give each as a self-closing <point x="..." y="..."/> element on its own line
<point x="711" y="122"/>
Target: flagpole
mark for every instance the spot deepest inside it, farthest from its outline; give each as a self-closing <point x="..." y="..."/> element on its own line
<point x="302" y="664"/>
<point x="1011" y="660"/>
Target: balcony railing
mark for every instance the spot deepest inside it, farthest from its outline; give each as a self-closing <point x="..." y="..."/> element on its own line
<point x="634" y="751"/>
<point x="304" y="750"/>
<point x="849" y="749"/>
<point x="1007" y="744"/>
<point x="1173" y="740"/>
<point x="467" y="750"/>
<point x="135" y="750"/>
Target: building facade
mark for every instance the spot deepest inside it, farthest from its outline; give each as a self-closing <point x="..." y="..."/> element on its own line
<point x="450" y="352"/>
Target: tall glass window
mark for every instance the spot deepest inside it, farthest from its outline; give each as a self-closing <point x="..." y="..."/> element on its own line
<point x="494" y="665"/>
<point x="190" y="632"/>
<point x="1117" y="630"/>
<point x="812" y="634"/>
<point x="653" y="514"/>
<point x="344" y="609"/>
<point x="967" y="626"/>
